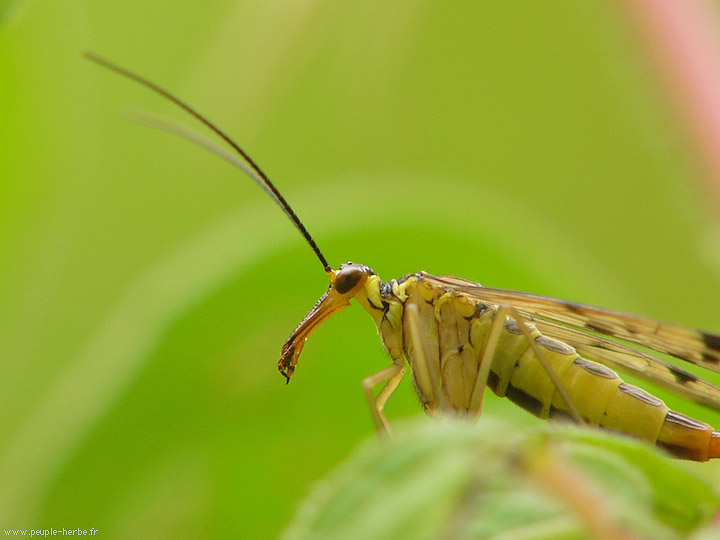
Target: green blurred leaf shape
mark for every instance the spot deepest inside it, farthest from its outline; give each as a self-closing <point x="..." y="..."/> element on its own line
<point x="126" y="338"/>
<point x="8" y="10"/>
<point x="441" y="480"/>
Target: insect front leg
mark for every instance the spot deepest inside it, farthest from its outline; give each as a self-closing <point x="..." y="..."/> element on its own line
<point x="391" y="375"/>
<point x="427" y="377"/>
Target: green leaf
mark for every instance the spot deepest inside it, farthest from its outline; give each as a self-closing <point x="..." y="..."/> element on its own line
<point x="8" y="10"/>
<point x="454" y="480"/>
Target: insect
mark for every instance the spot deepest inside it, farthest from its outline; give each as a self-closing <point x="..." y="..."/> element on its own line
<point x="544" y="354"/>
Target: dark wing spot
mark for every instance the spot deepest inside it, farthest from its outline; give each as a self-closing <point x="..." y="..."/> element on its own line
<point x="712" y="342"/>
<point x="682" y="376"/>
<point x="574" y="307"/>
<point x="599" y="326"/>
<point x="688" y="357"/>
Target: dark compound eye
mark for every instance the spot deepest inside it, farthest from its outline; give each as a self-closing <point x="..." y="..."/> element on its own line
<point x="347" y="278"/>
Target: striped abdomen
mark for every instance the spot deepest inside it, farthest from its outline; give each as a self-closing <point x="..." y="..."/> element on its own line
<point x="453" y="336"/>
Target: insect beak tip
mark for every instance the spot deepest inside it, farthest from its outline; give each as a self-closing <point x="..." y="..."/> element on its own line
<point x="286" y="372"/>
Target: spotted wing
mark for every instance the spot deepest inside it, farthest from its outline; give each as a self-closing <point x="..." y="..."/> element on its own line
<point x="619" y="356"/>
<point x="552" y="315"/>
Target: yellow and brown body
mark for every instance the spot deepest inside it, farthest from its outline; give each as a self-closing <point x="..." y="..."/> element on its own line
<point x="447" y="340"/>
<point x="454" y="336"/>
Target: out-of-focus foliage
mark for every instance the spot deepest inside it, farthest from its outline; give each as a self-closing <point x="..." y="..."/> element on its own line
<point x="451" y="480"/>
<point x="146" y="287"/>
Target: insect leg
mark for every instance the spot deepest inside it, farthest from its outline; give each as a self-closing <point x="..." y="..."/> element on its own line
<point x="392" y="375"/>
<point x="389" y="387"/>
<point x="419" y="362"/>
<point x="477" y="397"/>
<point x="572" y="409"/>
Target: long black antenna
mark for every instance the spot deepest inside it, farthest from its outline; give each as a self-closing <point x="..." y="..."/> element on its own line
<point x="279" y="199"/>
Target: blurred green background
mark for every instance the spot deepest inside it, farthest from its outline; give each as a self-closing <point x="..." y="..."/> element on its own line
<point x="146" y="287"/>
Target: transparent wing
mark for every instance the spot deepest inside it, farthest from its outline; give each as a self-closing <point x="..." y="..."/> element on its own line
<point x="619" y="356"/>
<point x="552" y="315"/>
<point x="695" y="346"/>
